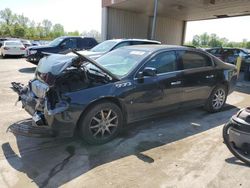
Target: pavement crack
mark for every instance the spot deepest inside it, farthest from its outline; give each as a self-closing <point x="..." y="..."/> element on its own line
<point x="60" y="166"/>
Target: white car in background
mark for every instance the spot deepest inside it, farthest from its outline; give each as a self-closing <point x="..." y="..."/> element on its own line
<point x="12" y="48"/>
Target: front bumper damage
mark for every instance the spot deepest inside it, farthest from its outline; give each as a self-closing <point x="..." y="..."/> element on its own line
<point x="46" y="122"/>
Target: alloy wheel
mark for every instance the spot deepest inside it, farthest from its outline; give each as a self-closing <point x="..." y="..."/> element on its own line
<point x="104" y="124"/>
<point x="219" y="99"/>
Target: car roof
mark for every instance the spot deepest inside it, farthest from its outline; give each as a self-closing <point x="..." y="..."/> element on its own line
<point x="141" y="40"/>
<point x="76" y="37"/>
<point x="153" y="48"/>
<point x="18" y="41"/>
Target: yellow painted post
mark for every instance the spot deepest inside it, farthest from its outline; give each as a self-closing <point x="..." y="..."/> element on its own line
<point x="238" y="65"/>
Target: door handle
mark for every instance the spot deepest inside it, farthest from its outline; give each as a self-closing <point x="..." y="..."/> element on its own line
<point x="176" y="83"/>
<point x="210" y="76"/>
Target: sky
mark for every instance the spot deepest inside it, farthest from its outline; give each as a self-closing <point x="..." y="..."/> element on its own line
<point x="81" y="15"/>
<point x="85" y="15"/>
<point x="235" y="29"/>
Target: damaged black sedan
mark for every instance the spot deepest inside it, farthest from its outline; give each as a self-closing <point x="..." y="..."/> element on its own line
<point x="97" y="98"/>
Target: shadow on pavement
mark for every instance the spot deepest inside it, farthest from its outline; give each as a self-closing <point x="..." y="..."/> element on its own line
<point x="53" y="162"/>
<point x="27" y="70"/>
<point x="235" y="161"/>
<point x="12" y="57"/>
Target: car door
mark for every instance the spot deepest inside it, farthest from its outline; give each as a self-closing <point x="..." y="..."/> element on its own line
<point x="198" y="76"/>
<point x="159" y="93"/>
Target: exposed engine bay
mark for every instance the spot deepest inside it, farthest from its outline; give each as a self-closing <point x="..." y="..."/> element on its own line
<point x="45" y="94"/>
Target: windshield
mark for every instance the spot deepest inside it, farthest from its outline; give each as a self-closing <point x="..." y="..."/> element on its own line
<point x="245" y="50"/>
<point x="56" y="42"/>
<point x="104" y="46"/>
<point x="13" y="43"/>
<point x="121" y="61"/>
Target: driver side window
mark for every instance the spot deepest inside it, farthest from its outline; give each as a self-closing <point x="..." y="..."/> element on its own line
<point x="164" y="62"/>
<point x="69" y="43"/>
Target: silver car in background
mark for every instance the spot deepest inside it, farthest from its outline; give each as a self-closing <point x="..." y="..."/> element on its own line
<point x="12" y="48"/>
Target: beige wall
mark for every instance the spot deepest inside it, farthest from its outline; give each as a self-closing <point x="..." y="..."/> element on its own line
<point x="169" y="31"/>
<point x="124" y="24"/>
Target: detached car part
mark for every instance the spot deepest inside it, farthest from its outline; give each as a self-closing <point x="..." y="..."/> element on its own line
<point x="236" y="135"/>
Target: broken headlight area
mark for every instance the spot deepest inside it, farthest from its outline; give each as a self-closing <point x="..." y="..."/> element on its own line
<point x="38" y="99"/>
<point x="47" y="97"/>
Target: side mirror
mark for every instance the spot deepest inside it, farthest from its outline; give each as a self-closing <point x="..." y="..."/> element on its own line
<point x="62" y="46"/>
<point x="147" y="71"/>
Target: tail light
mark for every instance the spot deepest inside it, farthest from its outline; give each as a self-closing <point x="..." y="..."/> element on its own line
<point x="6" y="48"/>
<point x="22" y="48"/>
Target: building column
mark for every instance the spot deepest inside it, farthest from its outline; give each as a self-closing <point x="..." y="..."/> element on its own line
<point x="104" y="29"/>
<point x="183" y="37"/>
<point x="154" y="19"/>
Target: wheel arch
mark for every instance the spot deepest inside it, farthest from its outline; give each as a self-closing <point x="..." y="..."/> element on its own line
<point x="114" y="100"/>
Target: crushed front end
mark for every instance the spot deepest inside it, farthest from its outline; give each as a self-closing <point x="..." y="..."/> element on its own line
<point x="48" y="112"/>
<point x="43" y="98"/>
<point x="54" y="98"/>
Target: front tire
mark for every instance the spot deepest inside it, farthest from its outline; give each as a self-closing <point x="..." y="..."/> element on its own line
<point x="217" y="99"/>
<point x="101" y="123"/>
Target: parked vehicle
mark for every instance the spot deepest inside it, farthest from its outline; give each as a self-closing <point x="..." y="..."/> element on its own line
<point x="12" y="48"/>
<point x="236" y="135"/>
<point x="110" y="45"/>
<point x="59" y="45"/>
<point x="230" y="55"/>
<point x="26" y="43"/>
<point x="129" y="84"/>
<point x="35" y="43"/>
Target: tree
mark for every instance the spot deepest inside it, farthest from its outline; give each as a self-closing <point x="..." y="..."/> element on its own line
<point x="248" y="45"/>
<point x="47" y="25"/>
<point x="7" y="16"/>
<point x="204" y="39"/>
<point x="18" y="30"/>
<point x="6" y="30"/>
<point x="22" y="20"/>
<point x="58" y="30"/>
<point x="92" y="33"/>
<point x="214" y="41"/>
<point x="196" y="40"/>
<point x="74" y="33"/>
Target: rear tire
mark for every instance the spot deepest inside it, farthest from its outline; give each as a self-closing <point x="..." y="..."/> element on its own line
<point x="101" y="123"/>
<point x="217" y="99"/>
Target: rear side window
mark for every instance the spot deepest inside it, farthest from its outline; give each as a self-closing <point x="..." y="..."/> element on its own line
<point x="70" y="43"/>
<point x="142" y="42"/>
<point x="193" y="60"/>
<point x="127" y="43"/>
<point x="213" y="51"/>
<point x="86" y="43"/>
<point x="163" y="62"/>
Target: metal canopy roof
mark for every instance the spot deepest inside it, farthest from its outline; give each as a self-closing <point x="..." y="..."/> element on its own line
<point x="188" y="10"/>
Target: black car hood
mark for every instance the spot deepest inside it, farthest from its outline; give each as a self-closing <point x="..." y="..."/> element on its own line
<point x="57" y="63"/>
<point x="54" y="64"/>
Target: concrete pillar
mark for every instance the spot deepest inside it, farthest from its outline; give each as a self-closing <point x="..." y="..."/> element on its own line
<point x="154" y="19"/>
<point x="183" y="32"/>
<point x="104" y="29"/>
